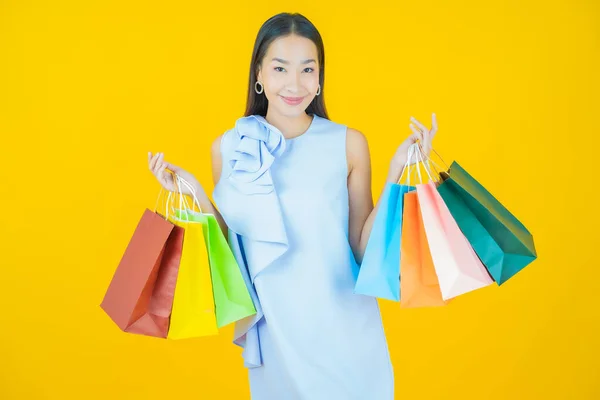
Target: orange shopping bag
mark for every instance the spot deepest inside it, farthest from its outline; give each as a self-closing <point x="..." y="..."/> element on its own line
<point x="419" y="286"/>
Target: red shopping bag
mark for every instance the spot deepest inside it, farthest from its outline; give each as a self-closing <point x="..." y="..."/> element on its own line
<point x="139" y="298"/>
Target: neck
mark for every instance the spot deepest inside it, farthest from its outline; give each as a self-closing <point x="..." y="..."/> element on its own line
<point x="290" y="127"/>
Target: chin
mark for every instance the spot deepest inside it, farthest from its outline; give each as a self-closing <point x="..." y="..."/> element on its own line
<point x="289" y="111"/>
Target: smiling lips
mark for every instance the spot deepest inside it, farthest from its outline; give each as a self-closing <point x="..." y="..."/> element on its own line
<point x="293" y="101"/>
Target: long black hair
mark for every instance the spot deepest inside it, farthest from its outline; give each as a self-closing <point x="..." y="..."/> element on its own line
<point x="275" y="27"/>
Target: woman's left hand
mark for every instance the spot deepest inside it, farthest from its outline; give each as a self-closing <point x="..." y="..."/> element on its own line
<point x="420" y="133"/>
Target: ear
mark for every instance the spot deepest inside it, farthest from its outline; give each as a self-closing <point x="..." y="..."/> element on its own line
<point x="259" y="76"/>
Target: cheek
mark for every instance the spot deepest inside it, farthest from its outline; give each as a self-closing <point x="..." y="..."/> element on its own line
<point x="311" y="81"/>
<point x="273" y="82"/>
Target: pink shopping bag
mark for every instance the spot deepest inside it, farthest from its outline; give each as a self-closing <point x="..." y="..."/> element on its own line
<point x="458" y="268"/>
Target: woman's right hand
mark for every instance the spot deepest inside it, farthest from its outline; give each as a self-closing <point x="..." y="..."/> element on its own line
<point x="157" y="165"/>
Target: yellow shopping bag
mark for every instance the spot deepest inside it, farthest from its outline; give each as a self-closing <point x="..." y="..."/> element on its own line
<point x="193" y="313"/>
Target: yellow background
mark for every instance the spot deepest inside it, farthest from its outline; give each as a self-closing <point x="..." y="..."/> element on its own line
<point x="87" y="88"/>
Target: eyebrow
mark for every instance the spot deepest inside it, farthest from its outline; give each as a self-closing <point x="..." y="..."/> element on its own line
<point x="281" y="60"/>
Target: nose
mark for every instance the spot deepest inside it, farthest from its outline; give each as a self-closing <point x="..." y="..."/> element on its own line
<point x="293" y="83"/>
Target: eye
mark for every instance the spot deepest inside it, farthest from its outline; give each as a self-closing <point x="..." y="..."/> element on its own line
<point x="279" y="68"/>
<point x="311" y="69"/>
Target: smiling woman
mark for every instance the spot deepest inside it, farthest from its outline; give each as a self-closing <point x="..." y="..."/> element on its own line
<point x="298" y="215"/>
<point x="287" y="206"/>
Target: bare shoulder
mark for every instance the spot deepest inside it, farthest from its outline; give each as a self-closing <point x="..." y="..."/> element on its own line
<point x="215" y="156"/>
<point x="357" y="148"/>
<point x="215" y="148"/>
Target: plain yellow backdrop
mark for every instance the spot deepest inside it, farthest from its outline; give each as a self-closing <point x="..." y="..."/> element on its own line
<point x="87" y="88"/>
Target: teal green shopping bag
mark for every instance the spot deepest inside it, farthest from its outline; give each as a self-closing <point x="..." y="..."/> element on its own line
<point x="501" y="241"/>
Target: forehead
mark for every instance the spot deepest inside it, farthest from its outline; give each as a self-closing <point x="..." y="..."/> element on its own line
<point x="293" y="48"/>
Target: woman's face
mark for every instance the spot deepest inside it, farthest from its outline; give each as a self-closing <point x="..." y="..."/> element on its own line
<point x="290" y="74"/>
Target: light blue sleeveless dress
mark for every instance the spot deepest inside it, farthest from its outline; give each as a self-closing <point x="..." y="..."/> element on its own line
<point x="285" y="202"/>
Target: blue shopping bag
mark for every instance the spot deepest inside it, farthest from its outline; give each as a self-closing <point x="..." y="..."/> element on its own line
<point x="379" y="274"/>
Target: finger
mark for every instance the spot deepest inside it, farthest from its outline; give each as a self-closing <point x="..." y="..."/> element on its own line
<point x="158" y="168"/>
<point x="172" y="167"/>
<point x="434" y="125"/>
<point x="158" y="164"/>
<point x="420" y="125"/>
<point x="416" y="131"/>
<point x="412" y="139"/>
<point x="162" y="175"/>
<point x="159" y="161"/>
<point x="153" y="162"/>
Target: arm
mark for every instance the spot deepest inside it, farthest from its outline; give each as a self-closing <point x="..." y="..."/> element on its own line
<point x="362" y="211"/>
<point x="205" y="203"/>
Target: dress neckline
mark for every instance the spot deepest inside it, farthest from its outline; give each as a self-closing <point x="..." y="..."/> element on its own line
<point x="310" y="127"/>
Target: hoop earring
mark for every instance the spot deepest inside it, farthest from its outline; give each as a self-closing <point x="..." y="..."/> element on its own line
<point x="319" y="91"/>
<point x="262" y="88"/>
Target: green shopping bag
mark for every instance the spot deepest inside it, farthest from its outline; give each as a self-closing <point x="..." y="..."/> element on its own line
<point x="232" y="299"/>
<point x="501" y="241"/>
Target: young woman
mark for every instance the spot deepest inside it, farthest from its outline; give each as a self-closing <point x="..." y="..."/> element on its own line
<point x="293" y="190"/>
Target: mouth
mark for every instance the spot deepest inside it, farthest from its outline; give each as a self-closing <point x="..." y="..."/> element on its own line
<point x="292" y="100"/>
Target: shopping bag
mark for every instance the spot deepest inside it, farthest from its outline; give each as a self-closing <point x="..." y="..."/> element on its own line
<point x="458" y="268"/>
<point x="379" y="274"/>
<point x="501" y="241"/>
<point x="140" y="295"/>
<point x="193" y="312"/>
<point x="419" y="286"/>
<point x="231" y="296"/>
